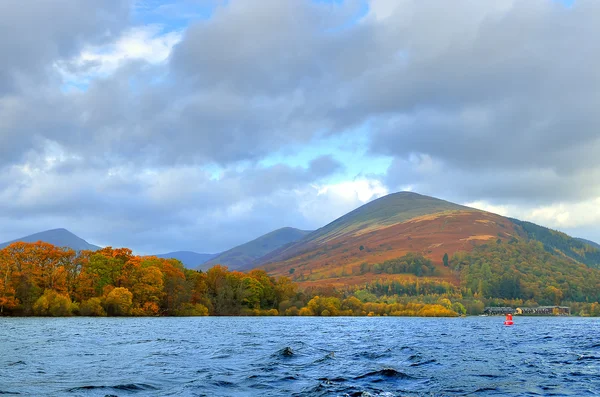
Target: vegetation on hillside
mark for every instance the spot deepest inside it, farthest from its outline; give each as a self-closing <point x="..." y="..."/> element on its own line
<point x="524" y="270"/>
<point x="554" y="240"/>
<point x="410" y="263"/>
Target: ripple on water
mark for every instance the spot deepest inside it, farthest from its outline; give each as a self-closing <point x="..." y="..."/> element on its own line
<point x="299" y="357"/>
<point x="129" y="387"/>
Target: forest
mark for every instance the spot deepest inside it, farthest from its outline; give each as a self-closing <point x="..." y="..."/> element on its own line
<point x="525" y="271"/>
<point x="39" y="279"/>
<point x="411" y="263"/>
<point x="553" y="241"/>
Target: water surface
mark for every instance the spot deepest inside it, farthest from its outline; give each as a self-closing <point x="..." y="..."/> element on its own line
<point x="279" y="356"/>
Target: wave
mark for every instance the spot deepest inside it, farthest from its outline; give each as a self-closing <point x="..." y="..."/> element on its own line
<point x="327" y="357"/>
<point x="124" y="387"/>
<point x="383" y="374"/>
<point x="423" y="363"/>
<point x="17" y="363"/>
<point x="286" y="352"/>
<point x="587" y="358"/>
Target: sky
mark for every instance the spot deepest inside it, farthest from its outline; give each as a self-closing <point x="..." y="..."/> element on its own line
<point x="198" y="125"/>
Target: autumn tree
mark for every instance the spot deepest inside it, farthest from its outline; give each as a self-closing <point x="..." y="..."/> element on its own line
<point x="119" y="302"/>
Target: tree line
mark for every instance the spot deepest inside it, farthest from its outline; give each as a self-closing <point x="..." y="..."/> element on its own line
<point x="44" y="280"/>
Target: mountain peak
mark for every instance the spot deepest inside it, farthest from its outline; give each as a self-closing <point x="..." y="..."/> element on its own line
<point x="59" y="237"/>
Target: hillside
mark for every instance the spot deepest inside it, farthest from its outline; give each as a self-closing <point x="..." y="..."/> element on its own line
<point x="190" y="259"/>
<point x="354" y="248"/>
<point x="386" y="211"/>
<point x="588" y="242"/>
<point x="582" y="251"/>
<point x="57" y="237"/>
<point x="243" y="256"/>
<point x="386" y="229"/>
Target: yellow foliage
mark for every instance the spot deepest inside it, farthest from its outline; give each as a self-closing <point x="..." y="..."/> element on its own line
<point x="305" y="311"/>
<point x="92" y="307"/>
<point x="53" y="304"/>
<point x="119" y="302"/>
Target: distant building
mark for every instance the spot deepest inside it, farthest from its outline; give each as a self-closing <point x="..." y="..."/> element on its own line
<point x="544" y="311"/>
<point x="529" y="311"/>
<point x="498" y="311"/>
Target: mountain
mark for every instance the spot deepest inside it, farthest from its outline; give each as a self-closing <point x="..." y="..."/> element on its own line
<point x="190" y="259"/>
<point x="243" y="256"/>
<point x="385" y="229"/>
<point x="405" y="235"/>
<point x="57" y="237"/>
<point x="385" y="211"/>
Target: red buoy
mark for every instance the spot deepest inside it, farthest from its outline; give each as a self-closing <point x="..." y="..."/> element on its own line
<point x="508" y="320"/>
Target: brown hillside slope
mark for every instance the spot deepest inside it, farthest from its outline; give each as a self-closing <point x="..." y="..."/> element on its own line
<point x="337" y="260"/>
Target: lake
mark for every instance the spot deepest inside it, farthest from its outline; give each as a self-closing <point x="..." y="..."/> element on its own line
<point x="299" y="356"/>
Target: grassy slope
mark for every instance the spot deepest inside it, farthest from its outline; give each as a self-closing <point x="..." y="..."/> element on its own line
<point x="386" y="211"/>
<point x="243" y="256"/>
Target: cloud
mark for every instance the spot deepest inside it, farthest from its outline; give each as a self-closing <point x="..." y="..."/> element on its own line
<point x="35" y="33"/>
<point x="114" y="119"/>
<point x="499" y="96"/>
<point x="183" y="207"/>
<point x="141" y="43"/>
<point x="580" y="218"/>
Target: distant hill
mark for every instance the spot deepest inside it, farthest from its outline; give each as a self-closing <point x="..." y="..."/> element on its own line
<point x="57" y="237"/>
<point x="243" y="256"/>
<point x="190" y="259"/>
<point x="583" y="251"/>
<point x="588" y="242"/>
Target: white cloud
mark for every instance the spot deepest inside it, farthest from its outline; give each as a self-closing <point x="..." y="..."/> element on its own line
<point x="146" y="43"/>
<point x="496" y="209"/>
<point x="362" y="189"/>
<point x="556" y="216"/>
<point x="321" y="204"/>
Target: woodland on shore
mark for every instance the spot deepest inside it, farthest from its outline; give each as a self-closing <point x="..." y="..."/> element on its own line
<point x="39" y="279"/>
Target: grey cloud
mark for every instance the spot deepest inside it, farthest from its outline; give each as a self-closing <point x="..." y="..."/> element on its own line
<point x="499" y="186"/>
<point x="505" y="101"/>
<point x="35" y="33"/>
<point x="153" y="209"/>
<point x="475" y="100"/>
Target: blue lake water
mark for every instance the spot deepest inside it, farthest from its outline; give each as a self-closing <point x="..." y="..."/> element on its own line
<point x="275" y="356"/>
